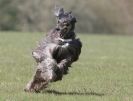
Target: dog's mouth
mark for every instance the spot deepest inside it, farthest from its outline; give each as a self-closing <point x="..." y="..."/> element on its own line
<point x="64" y="30"/>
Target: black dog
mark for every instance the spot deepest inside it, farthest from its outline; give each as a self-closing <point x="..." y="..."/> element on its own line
<point x="56" y="52"/>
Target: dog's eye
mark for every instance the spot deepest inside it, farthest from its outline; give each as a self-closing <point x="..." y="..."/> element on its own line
<point x="67" y="24"/>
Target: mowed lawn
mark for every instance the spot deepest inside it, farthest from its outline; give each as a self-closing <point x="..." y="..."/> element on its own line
<point x="104" y="71"/>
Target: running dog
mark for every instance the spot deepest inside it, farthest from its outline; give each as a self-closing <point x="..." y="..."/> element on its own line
<point x="55" y="52"/>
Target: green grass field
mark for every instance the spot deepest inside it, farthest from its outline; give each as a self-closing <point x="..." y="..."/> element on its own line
<point x="104" y="71"/>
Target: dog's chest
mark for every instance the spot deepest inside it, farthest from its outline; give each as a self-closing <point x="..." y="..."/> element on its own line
<point x="62" y="52"/>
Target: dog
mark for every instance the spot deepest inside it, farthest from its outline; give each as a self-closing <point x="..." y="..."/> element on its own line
<point x="55" y="52"/>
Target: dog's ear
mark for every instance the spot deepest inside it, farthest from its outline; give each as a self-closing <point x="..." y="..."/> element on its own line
<point x="58" y="12"/>
<point x="74" y="20"/>
<point x="72" y="17"/>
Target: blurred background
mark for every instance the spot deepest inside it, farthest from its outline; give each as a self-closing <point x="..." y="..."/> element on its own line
<point x="93" y="16"/>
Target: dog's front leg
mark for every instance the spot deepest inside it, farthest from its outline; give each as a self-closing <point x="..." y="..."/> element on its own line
<point x="64" y="64"/>
<point x="62" y="68"/>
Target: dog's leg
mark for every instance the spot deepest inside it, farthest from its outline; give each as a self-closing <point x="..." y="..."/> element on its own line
<point x="64" y="64"/>
<point x="62" y="69"/>
<point x="38" y="82"/>
<point x="44" y="72"/>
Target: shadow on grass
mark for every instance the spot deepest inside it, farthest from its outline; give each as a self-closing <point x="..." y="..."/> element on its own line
<point x="74" y="93"/>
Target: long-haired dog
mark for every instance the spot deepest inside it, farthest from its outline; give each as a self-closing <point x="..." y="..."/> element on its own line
<point x="56" y="52"/>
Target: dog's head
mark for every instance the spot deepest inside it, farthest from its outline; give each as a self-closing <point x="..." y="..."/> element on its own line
<point x="65" y="21"/>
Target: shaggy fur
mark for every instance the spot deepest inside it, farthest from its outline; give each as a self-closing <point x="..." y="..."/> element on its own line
<point x="56" y="52"/>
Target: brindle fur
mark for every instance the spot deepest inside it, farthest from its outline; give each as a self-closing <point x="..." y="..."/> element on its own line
<point x="55" y="52"/>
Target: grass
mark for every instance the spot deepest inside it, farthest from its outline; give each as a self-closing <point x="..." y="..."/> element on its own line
<point x="104" y="71"/>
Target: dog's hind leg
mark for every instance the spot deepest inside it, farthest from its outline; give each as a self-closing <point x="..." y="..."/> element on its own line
<point x="37" y="83"/>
